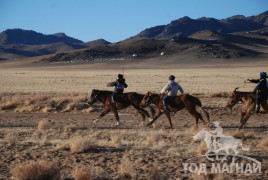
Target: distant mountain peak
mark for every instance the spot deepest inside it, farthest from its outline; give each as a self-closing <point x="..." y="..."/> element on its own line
<point x="61" y="34"/>
<point x="30" y="37"/>
<point x="237" y="17"/>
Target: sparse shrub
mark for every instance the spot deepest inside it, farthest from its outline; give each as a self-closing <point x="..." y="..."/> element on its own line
<point x="81" y="106"/>
<point x="8" y="105"/>
<point x="69" y="128"/>
<point x="175" y="151"/>
<point x="43" y="125"/>
<point x="151" y="140"/>
<point x="191" y="131"/>
<point x="81" y="174"/>
<point x="100" y="173"/>
<point x="264" y="144"/>
<point x="11" y="139"/>
<point x="89" y="110"/>
<point x="40" y="170"/>
<point x="80" y="145"/>
<point x="62" y="103"/>
<point x="69" y="107"/>
<point x="115" y="140"/>
<point x="154" y="174"/>
<point x="126" y="169"/>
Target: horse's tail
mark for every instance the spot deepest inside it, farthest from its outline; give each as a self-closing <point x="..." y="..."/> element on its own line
<point x="199" y="104"/>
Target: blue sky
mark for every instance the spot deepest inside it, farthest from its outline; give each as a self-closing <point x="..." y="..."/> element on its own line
<point x="114" y="20"/>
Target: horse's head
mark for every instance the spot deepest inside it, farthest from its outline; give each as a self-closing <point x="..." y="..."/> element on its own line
<point x="234" y="98"/>
<point x="200" y="135"/>
<point x="147" y="99"/>
<point x="94" y="96"/>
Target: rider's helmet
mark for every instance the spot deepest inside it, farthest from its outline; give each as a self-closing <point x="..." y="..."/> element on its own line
<point x="171" y="77"/>
<point x="263" y="75"/>
<point x="120" y="76"/>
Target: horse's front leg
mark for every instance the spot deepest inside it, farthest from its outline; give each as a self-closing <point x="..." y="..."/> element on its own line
<point x="143" y="113"/>
<point x="103" y="113"/>
<point x="169" y="120"/>
<point x="243" y="113"/>
<point x="245" y="118"/>
<point x="158" y="114"/>
<point x="114" y="109"/>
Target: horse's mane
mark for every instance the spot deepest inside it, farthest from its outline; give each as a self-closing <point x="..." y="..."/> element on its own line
<point x="244" y="93"/>
<point x="104" y="91"/>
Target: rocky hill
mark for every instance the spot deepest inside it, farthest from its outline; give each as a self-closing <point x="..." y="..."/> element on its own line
<point x="29" y="37"/>
<point x="186" y="26"/>
<point x="19" y="43"/>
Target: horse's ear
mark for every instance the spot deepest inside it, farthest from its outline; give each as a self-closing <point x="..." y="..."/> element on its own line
<point x="236" y="89"/>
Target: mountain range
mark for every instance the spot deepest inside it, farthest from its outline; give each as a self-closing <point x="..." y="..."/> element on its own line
<point x="232" y="37"/>
<point x="19" y="43"/>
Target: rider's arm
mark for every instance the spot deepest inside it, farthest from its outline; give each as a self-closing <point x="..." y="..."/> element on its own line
<point x="165" y="89"/>
<point x="180" y="89"/>
<point x="111" y="84"/>
<point x="125" y="85"/>
<point x="256" y="81"/>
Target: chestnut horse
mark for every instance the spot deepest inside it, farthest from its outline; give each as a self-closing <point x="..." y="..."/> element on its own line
<point x="178" y="103"/>
<point x="125" y="100"/>
<point x="248" y="98"/>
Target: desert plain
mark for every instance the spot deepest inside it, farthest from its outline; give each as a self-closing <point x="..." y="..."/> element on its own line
<point x="47" y="125"/>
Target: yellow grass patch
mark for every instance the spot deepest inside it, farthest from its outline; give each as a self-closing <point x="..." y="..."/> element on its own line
<point x="37" y="170"/>
<point x="81" y="174"/>
<point x="80" y="145"/>
<point x="126" y="169"/>
<point x="43" y="125"/>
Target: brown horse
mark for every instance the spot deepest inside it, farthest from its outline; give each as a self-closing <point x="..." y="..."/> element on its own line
<point x="125" y="100"/>
<point x="248" y="98"/>
<point x="178" y="103"/>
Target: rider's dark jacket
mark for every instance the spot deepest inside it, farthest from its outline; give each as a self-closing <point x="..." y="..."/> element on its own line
<point x="119" y="85"/>
<point x="261" y="87"/>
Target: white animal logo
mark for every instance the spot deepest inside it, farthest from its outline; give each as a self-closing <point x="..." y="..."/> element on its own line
<point x="218" y="143"/>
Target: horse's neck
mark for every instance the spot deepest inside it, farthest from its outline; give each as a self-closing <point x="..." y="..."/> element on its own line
<point x="156" y="98"/>
<point x="104" y="95"/>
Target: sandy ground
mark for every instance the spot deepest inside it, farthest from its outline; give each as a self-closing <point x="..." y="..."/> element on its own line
<point x="148" y="153"/>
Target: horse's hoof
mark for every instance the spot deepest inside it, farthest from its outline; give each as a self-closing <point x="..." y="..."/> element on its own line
<point x="95" y="121"/>
<point x="149" y="124"/>
<point x="114" y="125"/>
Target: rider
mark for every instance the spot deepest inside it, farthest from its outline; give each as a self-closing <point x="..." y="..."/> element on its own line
<point x="170" y="90"/>
<point x="261" y="90"/>
<point x="119" y="86"/>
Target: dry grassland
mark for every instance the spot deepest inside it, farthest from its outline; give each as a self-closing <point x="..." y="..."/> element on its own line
<point x="46" y="128"/>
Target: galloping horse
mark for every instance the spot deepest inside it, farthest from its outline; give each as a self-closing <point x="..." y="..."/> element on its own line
<point x="248" y="98"/>
<point x="178" y="103"/>
<point x="125" y="100"/>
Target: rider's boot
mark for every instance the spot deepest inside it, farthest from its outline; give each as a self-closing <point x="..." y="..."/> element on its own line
<point x="257" y="109"/>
